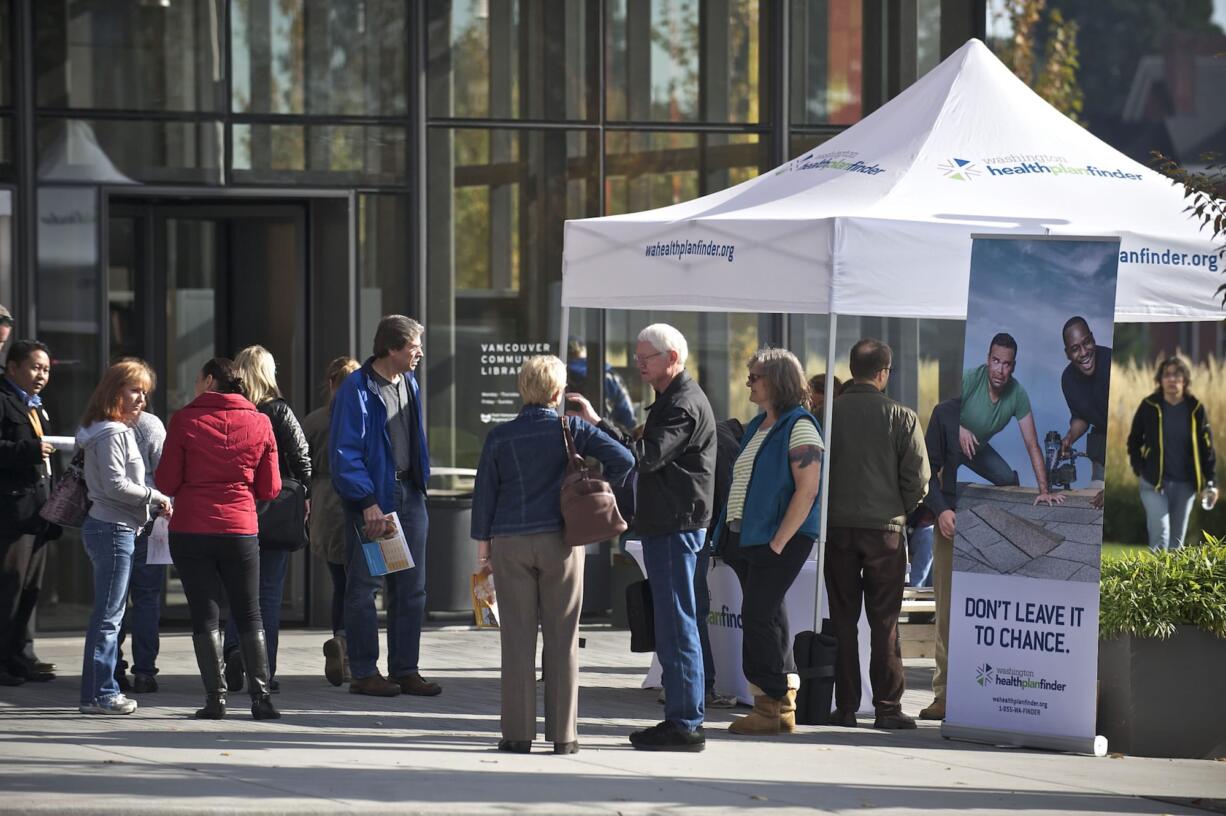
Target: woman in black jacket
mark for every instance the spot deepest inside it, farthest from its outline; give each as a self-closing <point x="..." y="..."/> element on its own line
<point x="258" y="371"/>
<point x="1171" y="451"/>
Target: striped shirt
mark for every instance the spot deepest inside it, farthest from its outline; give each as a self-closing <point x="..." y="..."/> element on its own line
<point x="803" y="433"/>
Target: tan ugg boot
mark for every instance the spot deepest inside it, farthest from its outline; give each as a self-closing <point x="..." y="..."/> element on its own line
<point x="787" y="707"/>
<point x="764" y="719"/>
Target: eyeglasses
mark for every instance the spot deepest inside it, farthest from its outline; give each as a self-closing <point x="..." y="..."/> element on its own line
<point x="640" y="360"/>
<point x="888" y="369"/>
<point x="753" y="378"/>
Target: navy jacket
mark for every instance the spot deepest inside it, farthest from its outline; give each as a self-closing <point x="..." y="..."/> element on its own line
<point x="360" y="450"/>
<point x="519" y="477"/>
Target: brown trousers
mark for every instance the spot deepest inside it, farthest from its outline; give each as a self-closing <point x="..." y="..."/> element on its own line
<point x="942" y="580"/>
<point x="869" y="566"/>
<point x="539" y="581"/>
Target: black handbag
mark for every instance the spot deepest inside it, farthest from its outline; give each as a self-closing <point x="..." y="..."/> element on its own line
<point x="814" y="654"/>
<point x="640" y="613"/>
<point x="283" y="520"/>
<point x="69" y="503"/>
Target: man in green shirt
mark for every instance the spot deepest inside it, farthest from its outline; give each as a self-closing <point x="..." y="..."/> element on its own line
<point x="990" y="399"/>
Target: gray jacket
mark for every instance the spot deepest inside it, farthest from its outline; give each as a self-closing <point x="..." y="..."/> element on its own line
<point x="150" y="436"/>
<point x="115" y="475"/>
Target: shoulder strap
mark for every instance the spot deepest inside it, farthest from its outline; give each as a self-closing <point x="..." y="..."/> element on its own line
<point x="571" y="453"/>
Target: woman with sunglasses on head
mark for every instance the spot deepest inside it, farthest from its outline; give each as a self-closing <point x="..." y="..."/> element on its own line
<point x="219" y="459"/>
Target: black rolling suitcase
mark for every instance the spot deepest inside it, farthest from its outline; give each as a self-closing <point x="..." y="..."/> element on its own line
<point x="814" y="654"/>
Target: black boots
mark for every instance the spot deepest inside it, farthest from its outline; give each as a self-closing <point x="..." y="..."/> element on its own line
<point x="255" y="659"/>
<point x="208" y="658"/>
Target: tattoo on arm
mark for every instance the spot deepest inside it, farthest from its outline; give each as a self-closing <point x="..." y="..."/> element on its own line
<point x="805" y="455"/>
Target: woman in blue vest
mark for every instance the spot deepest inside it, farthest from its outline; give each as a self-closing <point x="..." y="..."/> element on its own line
<point x="768" y="529"/>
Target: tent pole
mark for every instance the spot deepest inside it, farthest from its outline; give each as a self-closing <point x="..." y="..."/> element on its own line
<point x="827" y="422"/>
<point x="565" y="333"/>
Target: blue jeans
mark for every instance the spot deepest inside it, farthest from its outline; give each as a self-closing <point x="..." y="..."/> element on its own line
<point x="109" y="547"/>
<point x="405" y="599"/>
<point x="702" y="608"/>
<point x="990" y="465"/>
<point x="273" y="564"/>
<point x="670" y="561"/>
<point x="921" y="557"/>
<point x="1166" y="513"/>
<point x="142" y="619"/>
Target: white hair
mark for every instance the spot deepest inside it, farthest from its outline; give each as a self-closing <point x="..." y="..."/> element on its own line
<point x="664" y="337"/>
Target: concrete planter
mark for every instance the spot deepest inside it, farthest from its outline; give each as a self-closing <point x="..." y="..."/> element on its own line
<point x="1163" y="698"/>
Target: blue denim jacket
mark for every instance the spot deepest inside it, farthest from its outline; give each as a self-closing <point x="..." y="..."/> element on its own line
<point x="520" y="473"/>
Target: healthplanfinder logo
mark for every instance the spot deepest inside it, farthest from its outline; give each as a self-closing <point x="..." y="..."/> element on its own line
<point x="984" y="675"/>
<point x="957" y="169"/>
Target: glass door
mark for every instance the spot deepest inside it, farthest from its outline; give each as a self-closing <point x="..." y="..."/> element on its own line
<point x="188" y="281"/>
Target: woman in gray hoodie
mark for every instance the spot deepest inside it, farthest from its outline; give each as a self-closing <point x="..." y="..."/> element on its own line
<point x="121" y="501"/>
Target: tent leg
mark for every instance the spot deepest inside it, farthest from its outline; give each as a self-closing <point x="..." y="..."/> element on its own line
<point x="565" y="333"/>
<point x="827" y="423"/>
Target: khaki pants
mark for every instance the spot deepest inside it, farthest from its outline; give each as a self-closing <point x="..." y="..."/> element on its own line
<point x="942" y="579"/>
<point x="539" y="581"/>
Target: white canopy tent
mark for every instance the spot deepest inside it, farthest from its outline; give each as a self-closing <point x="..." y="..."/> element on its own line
<point x="877" y="221"/>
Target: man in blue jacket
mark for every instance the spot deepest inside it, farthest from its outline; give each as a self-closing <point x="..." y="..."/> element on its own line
<point x="380" y="464"/>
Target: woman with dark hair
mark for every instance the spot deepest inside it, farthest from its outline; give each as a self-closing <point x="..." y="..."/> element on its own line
<point x="219" y="459"/>
<point x="767" y="531"/>
<point x="328" y="518"/>
<point x="1170" y="448"/>
<point x="817" y="394"/>
<point x="120" y="505"/>
<point x="258" y="371"/>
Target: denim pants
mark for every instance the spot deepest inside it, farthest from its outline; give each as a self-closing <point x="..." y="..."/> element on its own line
<point x="405" y="600"/>
<point x="141" y="621"/>
<point x="1166" y="513"/>
<point x="990" y="465"/>
<point x="273" y="564"/>
<point x="109" y="546"/>
<point x="670" y="561"/>
<point x="920" y="574"/>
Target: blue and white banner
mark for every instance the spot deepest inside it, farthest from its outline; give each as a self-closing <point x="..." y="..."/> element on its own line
<point x="1023" y="636"/>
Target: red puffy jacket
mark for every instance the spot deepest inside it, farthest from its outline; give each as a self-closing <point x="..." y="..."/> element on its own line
<point x="220" y="457"/>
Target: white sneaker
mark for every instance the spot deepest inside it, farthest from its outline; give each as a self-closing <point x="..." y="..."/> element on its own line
<point x="110" y="705"/>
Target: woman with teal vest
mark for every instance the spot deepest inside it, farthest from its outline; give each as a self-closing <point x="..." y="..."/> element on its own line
<point x="767" y="532"/>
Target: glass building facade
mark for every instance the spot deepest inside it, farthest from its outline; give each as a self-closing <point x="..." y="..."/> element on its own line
<point x="182" y="178"/>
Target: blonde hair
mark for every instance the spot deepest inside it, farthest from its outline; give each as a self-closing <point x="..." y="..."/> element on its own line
<point x="541" y="377"/>
<point x="340" y="368"/>
<point x="258" y="372"/>
<point x="106" y="403"/>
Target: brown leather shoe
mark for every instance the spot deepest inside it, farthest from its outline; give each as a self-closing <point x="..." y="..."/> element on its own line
<point x="843" y="718"/>
<point x="894" y="721"/>
<point x="416" y="684"/>
<point x="936" y="711"/>
<point x="376" y="686"/>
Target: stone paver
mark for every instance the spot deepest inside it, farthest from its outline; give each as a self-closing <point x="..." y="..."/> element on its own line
<point x="337" y="752"/>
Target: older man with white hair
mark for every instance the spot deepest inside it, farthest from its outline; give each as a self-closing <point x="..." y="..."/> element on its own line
<point x="675" y="462"/>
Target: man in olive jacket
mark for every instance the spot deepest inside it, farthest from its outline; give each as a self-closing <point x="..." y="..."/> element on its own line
<point x="675" y="466"/>
<point x="878" y="474"/>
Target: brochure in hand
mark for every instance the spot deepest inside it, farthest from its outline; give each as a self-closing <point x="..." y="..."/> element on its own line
<point x="390" y="552"/>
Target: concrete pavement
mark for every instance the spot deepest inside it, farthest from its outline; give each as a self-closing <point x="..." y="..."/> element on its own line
<point x="337" y="752"/>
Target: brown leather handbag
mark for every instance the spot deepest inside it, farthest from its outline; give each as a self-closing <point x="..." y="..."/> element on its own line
<point x="589" y="508"/>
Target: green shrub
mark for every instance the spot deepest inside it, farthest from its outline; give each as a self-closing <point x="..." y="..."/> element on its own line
<point x="1148" y="594"/>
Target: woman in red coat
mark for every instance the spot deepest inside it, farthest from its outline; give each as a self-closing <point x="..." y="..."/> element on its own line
<point x="219" y="459"/>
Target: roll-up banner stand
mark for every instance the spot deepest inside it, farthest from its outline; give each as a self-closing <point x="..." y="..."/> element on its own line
<point x="1023" y="635"/>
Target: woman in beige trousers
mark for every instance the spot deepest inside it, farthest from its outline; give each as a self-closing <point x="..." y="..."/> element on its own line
<point x="517" y="523"/>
